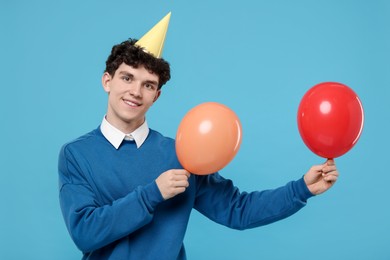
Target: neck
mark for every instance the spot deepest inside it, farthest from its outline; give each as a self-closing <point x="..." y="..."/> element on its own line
<point x="123" y="126"/>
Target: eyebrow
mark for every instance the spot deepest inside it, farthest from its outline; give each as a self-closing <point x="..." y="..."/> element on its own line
<point x="153" y="82"/>
<point x="126" y="73"/>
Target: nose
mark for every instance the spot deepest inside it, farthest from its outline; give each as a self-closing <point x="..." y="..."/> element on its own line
<point x="135" y="89"/>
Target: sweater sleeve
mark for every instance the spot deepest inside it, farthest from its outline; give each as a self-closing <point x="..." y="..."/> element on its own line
<point x="91" y="225"/>
<point x="218" y="199"/>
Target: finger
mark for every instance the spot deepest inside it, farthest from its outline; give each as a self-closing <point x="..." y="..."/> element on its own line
<point x="180" y="177"/>
<point x="332" y="173"/>
<point x="182" y="172"/>
<point x="187" y="173"/>
<point x="329" y="168"/>
<point x="181" y="183"/>
<point x="317" y="168"/>
<point x="180" y="190"/>
<point x="331" y="178"/>
<point x="330" y="162"/>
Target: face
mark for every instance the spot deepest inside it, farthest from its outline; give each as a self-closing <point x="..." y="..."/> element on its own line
<point x="131" y="92"/>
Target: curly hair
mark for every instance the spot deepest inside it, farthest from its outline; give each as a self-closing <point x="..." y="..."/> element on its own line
<point x="129" y="53"/>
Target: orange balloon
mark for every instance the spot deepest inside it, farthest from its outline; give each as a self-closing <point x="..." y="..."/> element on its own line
<point x="208" y="138"/>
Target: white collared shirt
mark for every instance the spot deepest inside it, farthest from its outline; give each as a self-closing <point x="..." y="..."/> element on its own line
<point x="116" y="137"/>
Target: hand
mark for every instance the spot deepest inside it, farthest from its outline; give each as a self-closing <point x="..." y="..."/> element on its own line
<point x="172" y="182"/>
<point x="320" y="178"/>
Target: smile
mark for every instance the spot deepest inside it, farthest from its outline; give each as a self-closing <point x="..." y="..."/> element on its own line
<point x="131" y="103"/>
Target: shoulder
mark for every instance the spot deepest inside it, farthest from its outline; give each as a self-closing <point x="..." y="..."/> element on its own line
<point x="161" y="144"/>
<point x="158" y="137"/>
<point x="83" y="141"/>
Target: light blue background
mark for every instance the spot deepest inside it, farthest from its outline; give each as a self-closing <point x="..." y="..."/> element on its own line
<point x="257" y="57"/>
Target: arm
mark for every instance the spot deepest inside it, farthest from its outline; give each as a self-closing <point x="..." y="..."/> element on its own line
<point x="92" y="225"/>
<point x="219" y="200"/>
<point x="223" y="203"/>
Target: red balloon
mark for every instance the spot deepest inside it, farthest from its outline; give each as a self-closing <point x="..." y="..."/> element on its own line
<point x="330" y="119"/>
<point x="208" y="138"/>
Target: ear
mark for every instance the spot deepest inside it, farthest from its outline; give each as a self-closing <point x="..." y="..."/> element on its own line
<point x="158" y="93"/>
<point x="106" y="80"/>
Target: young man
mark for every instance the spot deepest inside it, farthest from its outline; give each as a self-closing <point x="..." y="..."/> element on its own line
<point x="123" y="193"/>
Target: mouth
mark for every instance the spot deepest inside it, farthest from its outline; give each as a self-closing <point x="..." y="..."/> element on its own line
<point x="131" y="103"/>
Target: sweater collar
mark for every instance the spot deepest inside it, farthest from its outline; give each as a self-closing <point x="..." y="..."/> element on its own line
<point x="116" y="137"/>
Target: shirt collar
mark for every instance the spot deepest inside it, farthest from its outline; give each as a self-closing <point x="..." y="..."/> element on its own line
<point x="115" y="136"/>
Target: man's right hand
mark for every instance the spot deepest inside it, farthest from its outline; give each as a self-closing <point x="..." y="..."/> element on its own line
<point x="172" y="182"/>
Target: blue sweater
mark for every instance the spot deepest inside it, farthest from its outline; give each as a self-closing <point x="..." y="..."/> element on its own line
<point x="113" y="208"/>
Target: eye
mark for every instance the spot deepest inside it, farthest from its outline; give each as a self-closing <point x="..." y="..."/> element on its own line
<point x="126" y="78"/>
<point x="150" y="86"/>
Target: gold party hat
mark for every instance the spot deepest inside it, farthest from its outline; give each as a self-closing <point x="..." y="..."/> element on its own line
<point x="153" y="40"/>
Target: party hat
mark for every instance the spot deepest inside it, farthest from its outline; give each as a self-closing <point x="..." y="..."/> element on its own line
<point x="153" y="40"/>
